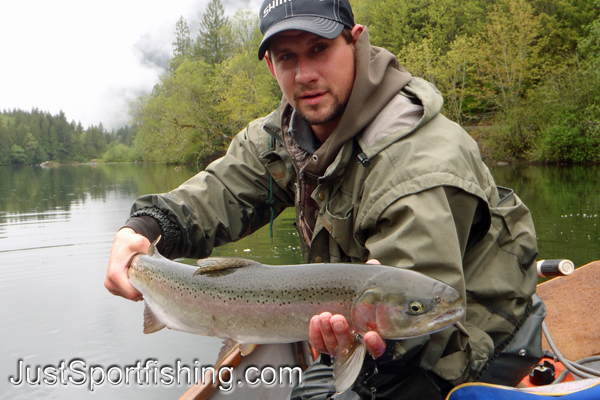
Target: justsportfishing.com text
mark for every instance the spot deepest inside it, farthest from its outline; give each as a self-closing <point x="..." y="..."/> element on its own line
<point x="77" y="372"/>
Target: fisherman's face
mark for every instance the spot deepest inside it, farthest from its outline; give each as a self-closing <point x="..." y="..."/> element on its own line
<point x="316" y="75"/>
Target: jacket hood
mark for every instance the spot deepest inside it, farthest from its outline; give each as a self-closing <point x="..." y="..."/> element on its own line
<point x="379" y="77"/>
<point x="417" y="104"/>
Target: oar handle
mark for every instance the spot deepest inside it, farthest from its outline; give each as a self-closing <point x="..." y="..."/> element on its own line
<point x="559" y="267"/>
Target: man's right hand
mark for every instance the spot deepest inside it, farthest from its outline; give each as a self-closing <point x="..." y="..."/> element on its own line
<point x="127" y="244"/>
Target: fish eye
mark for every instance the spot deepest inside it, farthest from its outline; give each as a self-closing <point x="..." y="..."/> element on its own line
<point x="416" y="308"/>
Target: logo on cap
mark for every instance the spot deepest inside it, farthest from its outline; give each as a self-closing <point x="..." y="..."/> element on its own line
<point x="272" y="5"/>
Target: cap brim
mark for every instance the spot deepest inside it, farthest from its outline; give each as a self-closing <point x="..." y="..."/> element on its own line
<point x="316" y="25"/>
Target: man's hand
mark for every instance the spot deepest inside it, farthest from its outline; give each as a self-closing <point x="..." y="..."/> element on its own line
<point x="127" y="244"/>
<point x="331" y="333"/>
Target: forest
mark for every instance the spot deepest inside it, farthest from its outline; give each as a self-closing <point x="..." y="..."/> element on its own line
<point x="33" y="137"/>
<point x="522" y="77"/>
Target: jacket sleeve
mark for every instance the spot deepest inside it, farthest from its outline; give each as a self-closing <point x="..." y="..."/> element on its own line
<point x="222" y="204"/>
<point x="429" y="232"/>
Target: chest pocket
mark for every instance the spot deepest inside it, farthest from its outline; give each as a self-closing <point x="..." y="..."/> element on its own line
<point x="516" y="231"/>
<point x="340" y="225"/>
<point x="278" y="169"/>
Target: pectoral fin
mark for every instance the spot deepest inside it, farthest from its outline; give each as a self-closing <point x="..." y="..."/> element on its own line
<point x="347" y="365"/>
<point x="151" y="322"/>
<point x="230" y="346"/>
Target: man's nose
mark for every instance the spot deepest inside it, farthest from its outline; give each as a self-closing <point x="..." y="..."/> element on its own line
<point x="306" y="71"/>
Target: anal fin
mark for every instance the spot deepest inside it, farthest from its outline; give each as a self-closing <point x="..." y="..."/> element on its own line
<point x="151" y="322"/>
<point x="348" y="364"/>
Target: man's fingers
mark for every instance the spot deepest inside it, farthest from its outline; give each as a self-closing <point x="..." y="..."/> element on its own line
<point x="329" y="337"/>
<point x="329" y="333"/>
<point x="315" y="336"/>
<point x="119" y="286"/>
<point x="126" y="245"/>
<point x="375" y="344"/>
<point x="342" y="331"/>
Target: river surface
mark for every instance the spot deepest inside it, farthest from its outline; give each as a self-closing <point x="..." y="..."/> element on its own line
<point x="56" y="230"/>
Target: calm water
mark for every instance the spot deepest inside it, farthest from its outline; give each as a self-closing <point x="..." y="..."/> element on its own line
<point x="56" y="230"/>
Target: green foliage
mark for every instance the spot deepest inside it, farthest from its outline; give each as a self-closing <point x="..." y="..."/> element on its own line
<point x="571" y="141"/>
<point x="213" y="42"/>
<point x="17" y="154"/>
<point x="119" y="152"/>
<point x="394" y="25"/>
<point x="200" y="104"/>
<point x="590" y="43"/>
<point x="35" y="137"/>
<point x="509" y="68"/>
<point x="183" y="43"/>
<point x="509" y="49"/>
<point x="177" y="122"/>
<point x="515" y="136"/>
<point x="182" y="46"/>
<point x="245" y="88"/>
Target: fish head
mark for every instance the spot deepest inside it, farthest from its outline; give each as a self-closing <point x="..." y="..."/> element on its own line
<point x="403" y="313"/>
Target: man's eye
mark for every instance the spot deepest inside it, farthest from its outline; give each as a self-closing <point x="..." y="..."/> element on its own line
<point x="320" y="47"/>
<point x="287" y="56"/>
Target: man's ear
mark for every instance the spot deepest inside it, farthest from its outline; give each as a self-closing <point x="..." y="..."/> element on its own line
<point x="356" y="31"/>
<point x="267" y="59"/>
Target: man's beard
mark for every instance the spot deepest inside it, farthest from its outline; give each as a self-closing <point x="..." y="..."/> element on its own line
<point x="336" y="110"/>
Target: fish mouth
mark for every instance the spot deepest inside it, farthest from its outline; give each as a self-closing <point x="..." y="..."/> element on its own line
<point x="452" y="315"/>
<point x="439" y="323"/>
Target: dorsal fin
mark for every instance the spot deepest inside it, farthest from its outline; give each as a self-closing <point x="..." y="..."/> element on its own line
<point x="221" y="264"/>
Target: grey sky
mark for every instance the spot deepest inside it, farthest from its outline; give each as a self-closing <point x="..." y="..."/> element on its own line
<point x="89" y="59"/>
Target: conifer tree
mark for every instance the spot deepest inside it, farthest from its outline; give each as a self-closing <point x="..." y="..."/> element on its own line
<point x="182" y="43"/>
<point x="213" y="44"/>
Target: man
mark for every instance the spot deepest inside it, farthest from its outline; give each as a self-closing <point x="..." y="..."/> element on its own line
<point x="375" y="172"/>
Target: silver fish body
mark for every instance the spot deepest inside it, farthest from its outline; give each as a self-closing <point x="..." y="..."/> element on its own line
<point x="256" y="303"/>
<point x="252" y="303"/>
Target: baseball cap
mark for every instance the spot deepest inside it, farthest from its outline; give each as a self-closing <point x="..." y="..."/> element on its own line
<point x="326" y="18"/>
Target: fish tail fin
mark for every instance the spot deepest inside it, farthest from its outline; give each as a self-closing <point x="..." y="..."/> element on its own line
<point x="348" y="364"/>
<point x="151" y="322"/>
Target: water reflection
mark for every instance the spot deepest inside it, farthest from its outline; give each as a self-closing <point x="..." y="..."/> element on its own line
<point x="32" y="191"/>
<point x="56" y="230"/>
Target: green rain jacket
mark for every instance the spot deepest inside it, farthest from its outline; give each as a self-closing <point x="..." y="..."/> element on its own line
<point x="422" y="200"/>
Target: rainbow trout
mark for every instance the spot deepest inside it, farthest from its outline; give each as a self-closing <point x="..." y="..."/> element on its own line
<point x="250" y="303"/>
